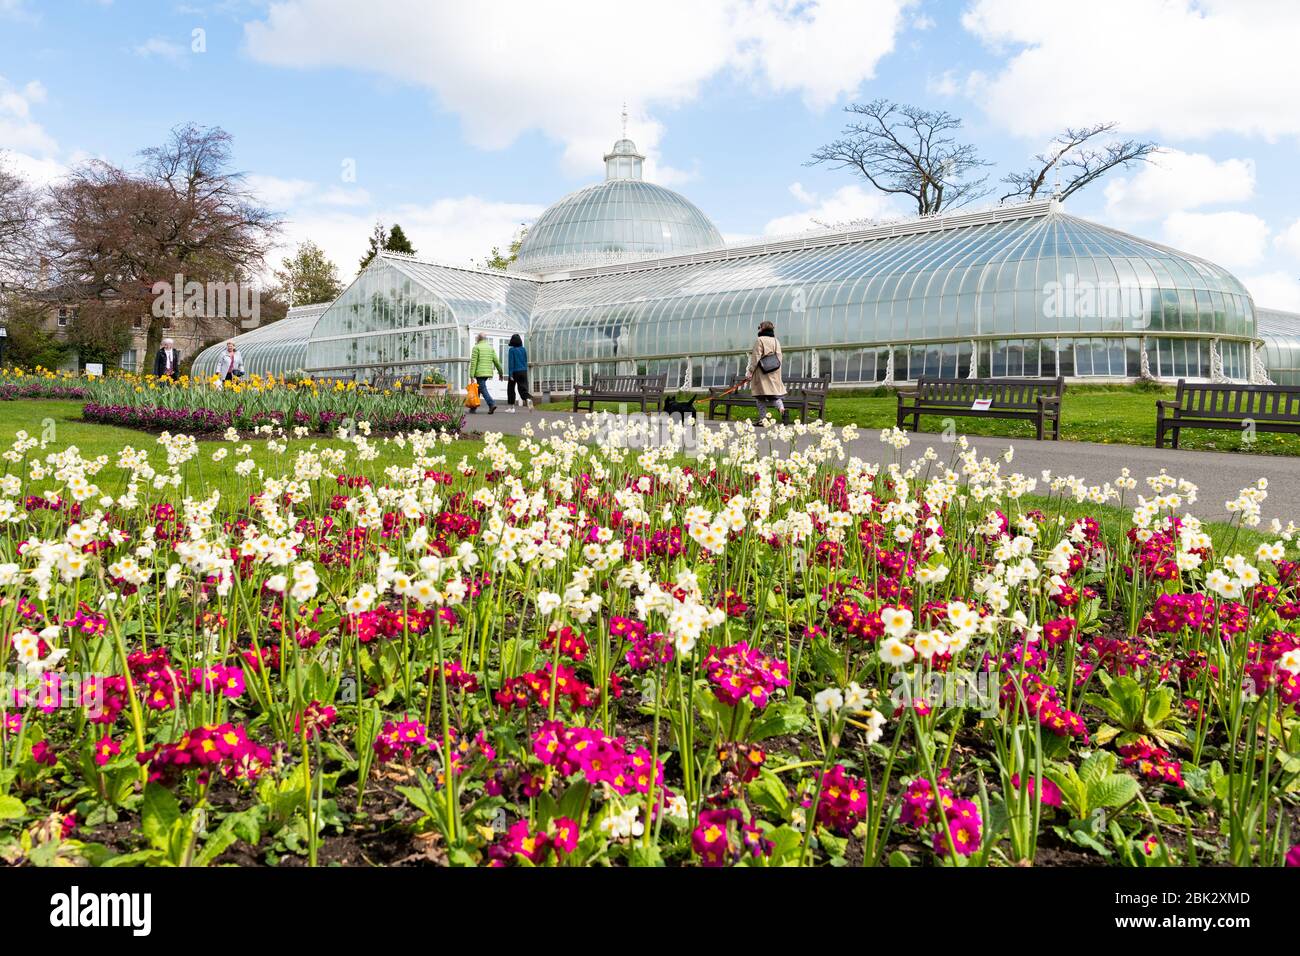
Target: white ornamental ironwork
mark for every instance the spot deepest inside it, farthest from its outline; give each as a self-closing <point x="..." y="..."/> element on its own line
<point x="1258" y="369"/>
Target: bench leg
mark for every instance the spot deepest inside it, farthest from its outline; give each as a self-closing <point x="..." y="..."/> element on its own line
<point x="1056" y="427"/>
<point x="1177" y="436"/>
<point x="1038" y="436"/>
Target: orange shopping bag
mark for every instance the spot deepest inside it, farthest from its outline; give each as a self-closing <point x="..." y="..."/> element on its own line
<point x="472" y="399"/>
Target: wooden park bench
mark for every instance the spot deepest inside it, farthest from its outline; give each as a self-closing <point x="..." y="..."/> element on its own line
<point x="1266" y="408"/>
<point x="1037" y="400"/>
<point x="643" y="389"/>
<point x="807" y="395"/>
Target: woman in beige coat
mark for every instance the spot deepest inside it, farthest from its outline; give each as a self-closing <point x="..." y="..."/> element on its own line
<point x="767" y="387"/>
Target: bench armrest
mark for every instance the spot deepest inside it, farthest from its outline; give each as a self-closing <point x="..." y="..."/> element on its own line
<point x="1167" y="404"/>
<point x="1049" y="399"/>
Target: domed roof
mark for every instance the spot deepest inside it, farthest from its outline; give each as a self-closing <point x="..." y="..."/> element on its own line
<point x="621" y="219"/>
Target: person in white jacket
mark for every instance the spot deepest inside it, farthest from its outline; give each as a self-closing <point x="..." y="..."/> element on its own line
<point x="231" y="366"/>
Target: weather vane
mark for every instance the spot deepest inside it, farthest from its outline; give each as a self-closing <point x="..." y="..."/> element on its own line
<point x="625" y="119"/>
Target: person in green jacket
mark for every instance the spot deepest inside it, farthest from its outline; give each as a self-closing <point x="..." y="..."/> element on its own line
<point x="483" y="359"/>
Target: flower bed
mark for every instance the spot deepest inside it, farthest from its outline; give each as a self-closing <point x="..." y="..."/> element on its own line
<point x="207" y="422"/>
<point x="599" y="656"/>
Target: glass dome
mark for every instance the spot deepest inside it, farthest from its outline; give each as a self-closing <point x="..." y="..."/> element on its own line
<point x="621" y="219"/>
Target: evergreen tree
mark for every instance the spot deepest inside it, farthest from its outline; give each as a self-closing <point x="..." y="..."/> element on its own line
<point x="393" y="240"/>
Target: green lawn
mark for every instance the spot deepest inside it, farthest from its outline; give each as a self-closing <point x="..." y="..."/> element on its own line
<point x="1121" y="415"/>
<point x="60" y="423"/>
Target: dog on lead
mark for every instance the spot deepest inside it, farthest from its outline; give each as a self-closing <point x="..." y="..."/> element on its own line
<point x="675" y="406"/>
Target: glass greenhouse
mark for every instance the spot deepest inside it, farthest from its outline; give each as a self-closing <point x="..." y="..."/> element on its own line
<point x="276" y="349"/>
<point x="1280" y="332"/>
<point x="625" y="275"/>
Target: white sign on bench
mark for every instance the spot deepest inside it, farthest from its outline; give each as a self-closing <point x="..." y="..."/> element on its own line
<point x="981" y="404"/>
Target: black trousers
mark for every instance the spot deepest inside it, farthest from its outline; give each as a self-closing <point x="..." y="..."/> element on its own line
<point x="518" y="381"/>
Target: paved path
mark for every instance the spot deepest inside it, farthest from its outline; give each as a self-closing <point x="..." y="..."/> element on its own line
<point x="1218" y="475"/>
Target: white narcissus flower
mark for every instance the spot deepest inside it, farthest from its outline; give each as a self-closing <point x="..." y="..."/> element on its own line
<point x="828" y="701"/>
<point x="897" y="621"/>
<point x="895" y="652"/>
<point x="856" y="698"/>
<point x="548" y="602"/>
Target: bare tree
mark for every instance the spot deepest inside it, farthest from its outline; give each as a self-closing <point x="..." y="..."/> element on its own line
<point x="908" y="151"/>
<point x="114" y="233"/>
<point x="19" y="218"/>
<point x="1080" y="164"/>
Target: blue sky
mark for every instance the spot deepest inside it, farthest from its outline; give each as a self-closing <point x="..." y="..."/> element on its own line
<point x="461" y="120"/>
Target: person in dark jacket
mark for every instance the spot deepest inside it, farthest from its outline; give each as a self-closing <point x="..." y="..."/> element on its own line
<point x="517" y="370"/>
<point x="167" y="363"/>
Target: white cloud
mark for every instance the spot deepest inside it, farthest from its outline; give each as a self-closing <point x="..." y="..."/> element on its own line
<point x="160" y="47"/>
<point x="1274" y="290"/>
<point x="1175" y="181"/>
<point x="278" y="192"/>
<point x="513" y="66"/>
<point x="1230" y="239"/>
<point x="1289" y="239"/>
<point x="1182" y="68"/>
<point x="846" y="204"/>
<point x="339" y="219"/>
<point x="19" y="132"/>
<point x="16" y="10"/>
<point x="27" y="148"/>
<point x="945" y="84"/>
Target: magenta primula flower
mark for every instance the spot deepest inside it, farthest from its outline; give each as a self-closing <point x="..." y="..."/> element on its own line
<point x="843" y="801"/>
<point x="399" y="738"/>
<point x="740" y="672"/>
<point x="105" y="750"/>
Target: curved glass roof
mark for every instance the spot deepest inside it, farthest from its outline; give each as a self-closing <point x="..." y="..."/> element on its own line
<point x="1280" y="332"/>
<point x="406" y="314"/>
<point x="279" y="348"/>
<point x="1022" y="290"/>
<point x="620" y="219"/>
<point x="1026" y="272"/>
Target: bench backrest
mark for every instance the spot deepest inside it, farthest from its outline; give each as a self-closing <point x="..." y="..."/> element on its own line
<point x="1269" y="403"/>
<point x="630" y="384"/>
<point x="809" y="384"/>
<point x="1003" y="392"/>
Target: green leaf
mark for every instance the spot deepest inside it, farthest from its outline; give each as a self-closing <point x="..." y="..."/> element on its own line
<point x="11" y="808"/>
<point x="159" y="815"/>
<point x="1159" y="706"/>
<point x="899" y="859"/>
<point x="768" y="792"/>
<point x="787" y="842"/>
<point x="835" y="846"/>
<point x="216" y="845"/>
<point x="783" y="717"/>
<point x="1113" y="791"/>
<point x="1097" y="767"/>
<point x="645" y="855"/>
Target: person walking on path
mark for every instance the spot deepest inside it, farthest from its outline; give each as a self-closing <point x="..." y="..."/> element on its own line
<point x="483" y="360"/>
<point x="764" y="373"/>
<point x="517" y="369"/>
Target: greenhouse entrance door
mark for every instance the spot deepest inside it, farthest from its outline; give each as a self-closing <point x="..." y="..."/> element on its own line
<point x="496" y="387"/>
